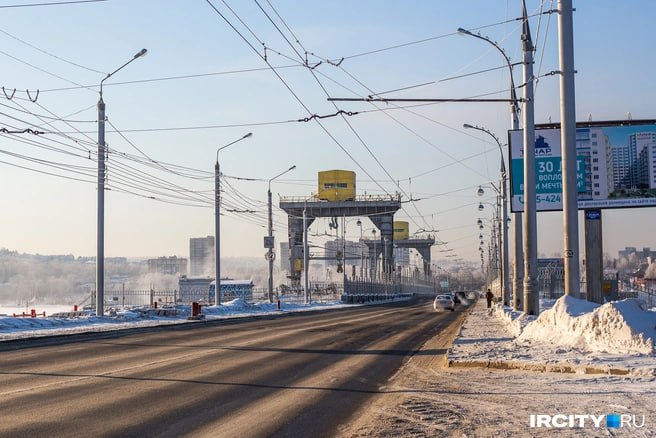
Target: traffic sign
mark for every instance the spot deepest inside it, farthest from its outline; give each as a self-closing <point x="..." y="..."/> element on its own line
<point x="593" y="214"/>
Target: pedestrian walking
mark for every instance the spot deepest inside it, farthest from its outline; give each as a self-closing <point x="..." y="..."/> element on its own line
<point x="489" y="296"/>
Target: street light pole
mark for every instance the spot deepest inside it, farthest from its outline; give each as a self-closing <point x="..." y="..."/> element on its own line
<point x="100" y="242"/>
<point x="271" y="244"/>
<point x="499" y="237"/>
<point x="217" y="221"/>
<point x="375" y="257"/>
<point x="359" y="224"/>
<point x="386" y="262"/>
<point x="518" y="267"/>
<point x="503" y="225"/>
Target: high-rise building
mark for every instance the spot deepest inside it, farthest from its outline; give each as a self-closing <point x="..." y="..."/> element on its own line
<point x="168" y="265"/>
<point x="644" y="144"/>
<point x="634" y="165"/>
<point x="621" y="167"/>
<point x="593" y="146"/>
<point x="201" y="256"/>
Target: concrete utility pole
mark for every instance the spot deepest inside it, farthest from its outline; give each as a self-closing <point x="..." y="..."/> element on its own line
<point x="217" y="221"/>
<point x="568" y="148"/>
<point x="100" y="233"/>
<point x="531" y="298"/>
<point x="271" y="241"/>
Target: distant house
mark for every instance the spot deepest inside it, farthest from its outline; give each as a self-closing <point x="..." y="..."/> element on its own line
<point x="194" y="289"/>
<point x="168" y="265"/>
<point x="232" y="289"/>
<point x="201" y="290"/>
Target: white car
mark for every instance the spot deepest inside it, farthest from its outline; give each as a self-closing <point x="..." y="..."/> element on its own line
<point x="444" y="302"/>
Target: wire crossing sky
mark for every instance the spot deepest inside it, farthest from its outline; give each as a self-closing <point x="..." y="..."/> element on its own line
<point x="218" y="69"/>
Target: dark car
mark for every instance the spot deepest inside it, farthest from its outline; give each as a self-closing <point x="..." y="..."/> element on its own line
<point x="460" y="297"/>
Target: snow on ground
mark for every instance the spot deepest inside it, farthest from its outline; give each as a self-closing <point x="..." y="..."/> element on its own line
<point x="623" y="327"/>
<point x="568" y="335"/>
<point x="118" y="318"/>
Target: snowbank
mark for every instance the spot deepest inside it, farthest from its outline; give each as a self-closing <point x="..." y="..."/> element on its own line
<point x="126" y="318"/>
<point x="623" y="327"/>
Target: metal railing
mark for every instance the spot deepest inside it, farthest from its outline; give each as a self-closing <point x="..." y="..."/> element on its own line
<point x="628" y="290"/>
<point x="358" y="198"/>
<point x="320" y="292"/>
<point x="141" y="297"/>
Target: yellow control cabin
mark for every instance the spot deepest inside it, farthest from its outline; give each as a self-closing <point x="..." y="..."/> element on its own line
<point x="336" y="185"/>
<point x="401" y="230"/>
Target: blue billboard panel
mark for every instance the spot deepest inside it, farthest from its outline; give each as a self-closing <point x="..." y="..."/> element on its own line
<point x="616" y="165"/>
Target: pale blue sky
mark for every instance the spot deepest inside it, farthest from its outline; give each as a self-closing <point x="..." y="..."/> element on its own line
<point x="46" y="214"/>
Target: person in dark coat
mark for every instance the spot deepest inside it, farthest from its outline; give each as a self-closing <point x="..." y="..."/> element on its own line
<point x="489" y="296"/>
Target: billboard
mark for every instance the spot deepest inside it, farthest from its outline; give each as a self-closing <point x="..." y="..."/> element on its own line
<point x="615" y="165"/>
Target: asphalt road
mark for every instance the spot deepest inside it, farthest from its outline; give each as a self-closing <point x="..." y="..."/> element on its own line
<point x="295" y="375"/>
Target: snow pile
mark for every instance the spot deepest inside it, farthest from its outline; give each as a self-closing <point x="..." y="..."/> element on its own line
<point x="513" y="321"/>
<point x="119" y="318"/>
<point x="622" y="327"/>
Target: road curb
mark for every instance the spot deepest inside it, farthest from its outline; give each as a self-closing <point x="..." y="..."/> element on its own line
<point x="564" y="368"/>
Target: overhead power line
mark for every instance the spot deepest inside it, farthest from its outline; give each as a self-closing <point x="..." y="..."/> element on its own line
<point x="173" y="78"/>
<point x="72" y="2"/>
<point x="425" y="40"/>
<point x="50" y="54"/>
<point x="293" y="93"/>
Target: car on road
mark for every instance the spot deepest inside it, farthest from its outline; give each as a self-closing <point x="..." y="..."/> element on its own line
<point x="444" y="302"/>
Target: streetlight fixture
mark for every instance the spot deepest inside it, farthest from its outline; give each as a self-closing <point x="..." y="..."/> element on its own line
<point x="499" y="238"/>
<point x="514" y="103"/>
<point x="100" y="243"/>
<point x="518" y="269"/>
<point x="269" y="241"/>
<point x="217" y="221"/>
<point x="501" y="191"/>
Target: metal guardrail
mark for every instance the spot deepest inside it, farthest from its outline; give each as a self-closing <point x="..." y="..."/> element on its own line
<point x="320" y="292"/>
<point x="628" y="290"/>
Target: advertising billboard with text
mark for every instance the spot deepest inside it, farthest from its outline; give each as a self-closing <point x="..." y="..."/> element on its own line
<point x="615" y="165"/>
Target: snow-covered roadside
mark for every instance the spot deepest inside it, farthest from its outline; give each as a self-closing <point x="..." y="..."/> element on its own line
<point x="569" y="335"/>
<point x="136" y="317"/>
<point x="622" y="327"/>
